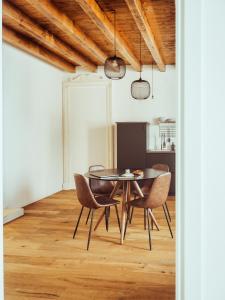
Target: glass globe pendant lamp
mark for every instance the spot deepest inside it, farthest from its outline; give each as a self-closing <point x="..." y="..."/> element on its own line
<point x="114" y="67"/>
<point x="140" y="89"/>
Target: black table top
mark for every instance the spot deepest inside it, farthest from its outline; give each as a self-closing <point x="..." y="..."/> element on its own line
<point x="115" y="174"/>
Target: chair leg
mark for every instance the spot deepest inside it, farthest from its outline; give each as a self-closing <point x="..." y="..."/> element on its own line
<point x="153" y="219"/>
<point x="168" y="212"/>
<point x="88" y="216"/>
<point x="109" y="214"/>
<point x="152" y="223"/>
<point x="128" y="217"/>
<point x="131" y="215"/>
<point x="78" y="221"/>
<point x="107" y="218"/>
<point x="144" y="219"/>
<point x="149" y="231"/>
<point x="90" y="230"/>
<point x="132" y="210"/>
<point x="118" y="219"/>
<point x="167" y="220"/>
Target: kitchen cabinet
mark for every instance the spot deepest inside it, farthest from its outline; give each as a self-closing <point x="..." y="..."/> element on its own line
<point x="131" y="140"/>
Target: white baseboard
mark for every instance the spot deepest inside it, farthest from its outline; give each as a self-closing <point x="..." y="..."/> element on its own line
<point x="67" y="186"/>
<point x="12" y="214"/>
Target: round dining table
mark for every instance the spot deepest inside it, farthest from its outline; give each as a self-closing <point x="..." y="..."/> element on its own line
<point x="125" y="182"/>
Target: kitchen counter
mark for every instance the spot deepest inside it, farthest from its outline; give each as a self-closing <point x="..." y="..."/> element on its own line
<point x="159" y="151"/>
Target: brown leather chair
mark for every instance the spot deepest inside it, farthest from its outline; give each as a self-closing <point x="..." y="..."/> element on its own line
<point x="163" y="167"/>
<point x="146" y="189"/>
<point x="148" y="183"/>
<point x="156" y="198"/>
<point x="87" y="199"/>
<point x="100" y="188"/>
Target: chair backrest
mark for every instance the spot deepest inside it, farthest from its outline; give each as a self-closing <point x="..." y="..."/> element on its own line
<point x="159" y="191"/>
<point x="146" y="185"/>
<point x="99" y="186"/>
<point x="84" y="193"/>
<point x="161" y="167"/>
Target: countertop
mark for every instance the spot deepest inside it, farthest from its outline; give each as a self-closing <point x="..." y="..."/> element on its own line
<point x="159" y="151"/>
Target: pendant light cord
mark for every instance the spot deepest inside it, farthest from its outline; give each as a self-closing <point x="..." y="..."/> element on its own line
<point x="114" y="32"/>
<point x="152" y="83"/>
<point x="140" y="55"/>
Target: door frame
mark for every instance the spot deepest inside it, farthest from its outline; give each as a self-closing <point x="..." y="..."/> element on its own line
<point x="190" y="157"/>
<point x="84" y="80"/>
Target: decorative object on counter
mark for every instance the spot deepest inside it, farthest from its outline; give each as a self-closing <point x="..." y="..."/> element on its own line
<point x="170" y="121"/>
<point x="173" y="147"/>
<point x="138" y="172"/>
<point x="140" y="89"/>
<point x="163" y="141"/>
<point x="159" y="120"/>
<point x="168" y="145"/>
<point x="114" y="67"/>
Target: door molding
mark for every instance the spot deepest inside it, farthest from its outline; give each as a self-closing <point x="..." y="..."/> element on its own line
<point x="85" y="81"/>
<point x="190" y="150"/>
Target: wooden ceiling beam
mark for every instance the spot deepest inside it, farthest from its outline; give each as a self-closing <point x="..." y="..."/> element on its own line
<point x="144" y="27"/>
<point x="11" y="15"/>
<point x="47" y="9"/>
<point x="92" y="9"/>
<point x="18" y="41"/>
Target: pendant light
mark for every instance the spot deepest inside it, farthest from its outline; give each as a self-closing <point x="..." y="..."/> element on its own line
<point x="114" y="66"/>
<point x="140" y="89"/>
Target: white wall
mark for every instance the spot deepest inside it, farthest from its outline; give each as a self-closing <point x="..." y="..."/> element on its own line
<point x="32" y="115"/>
<point x="125" y="108"/>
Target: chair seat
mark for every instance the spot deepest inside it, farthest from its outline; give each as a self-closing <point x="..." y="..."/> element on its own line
<point x="105" y="195"/>
<point x="106" y="201"/>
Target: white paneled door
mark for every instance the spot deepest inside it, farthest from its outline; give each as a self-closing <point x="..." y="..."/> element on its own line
<point x="87" y="125"/>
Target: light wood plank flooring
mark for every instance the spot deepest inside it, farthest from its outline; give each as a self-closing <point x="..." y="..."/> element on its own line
<point x="42" y="261"/>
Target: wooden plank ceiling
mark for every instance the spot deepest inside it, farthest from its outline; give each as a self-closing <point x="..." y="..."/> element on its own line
<point x="70" y="33"/>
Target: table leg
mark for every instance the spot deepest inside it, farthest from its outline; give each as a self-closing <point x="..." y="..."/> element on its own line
<point x="126" y="195"/>
<point x="116" y="187"/>
<point x="137" y="188"/>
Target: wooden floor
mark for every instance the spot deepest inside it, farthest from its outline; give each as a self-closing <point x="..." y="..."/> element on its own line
<point x="42" y="261"/>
